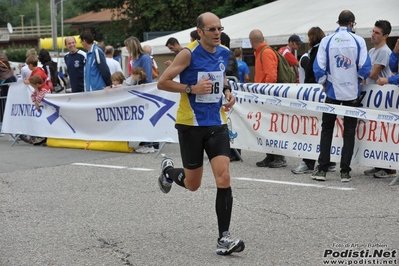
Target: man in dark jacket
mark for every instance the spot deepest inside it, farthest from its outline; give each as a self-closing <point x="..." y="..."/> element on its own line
<point x="232" y="67"/>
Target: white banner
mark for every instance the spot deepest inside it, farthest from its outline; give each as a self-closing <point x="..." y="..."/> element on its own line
<point x="134" y="113"/>
<point x="274" y="118"/>
<point x="286" y="119"/>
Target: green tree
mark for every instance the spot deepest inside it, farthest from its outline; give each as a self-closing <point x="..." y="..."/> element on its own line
<point x="159" y="15"/>
<point x="70" y="11"/>
<point x="231" y="7"/>
<point x="27" y="8"/>
<point x="5" y="14"/>
<point x="10" y="11"/>
<point x="17" y="54"/>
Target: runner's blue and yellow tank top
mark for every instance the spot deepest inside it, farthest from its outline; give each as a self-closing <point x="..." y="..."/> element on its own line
<point x="203" y="110"/>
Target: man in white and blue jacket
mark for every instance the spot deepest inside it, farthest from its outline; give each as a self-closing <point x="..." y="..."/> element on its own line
<point x="342" y="62"/>
<point x="97" y="74"/>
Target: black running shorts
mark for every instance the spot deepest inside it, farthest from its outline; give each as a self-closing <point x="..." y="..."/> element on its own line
<point x="195" y="139"/>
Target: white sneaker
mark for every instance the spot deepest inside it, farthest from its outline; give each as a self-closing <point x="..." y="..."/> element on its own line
<point x="145" y="150"/>
<point x="302" y="169"/>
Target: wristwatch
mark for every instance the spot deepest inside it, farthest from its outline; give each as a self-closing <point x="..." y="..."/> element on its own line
<point x="188" y="89"/>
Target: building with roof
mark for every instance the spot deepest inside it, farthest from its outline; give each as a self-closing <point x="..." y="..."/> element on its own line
<point x="92" y="20"/>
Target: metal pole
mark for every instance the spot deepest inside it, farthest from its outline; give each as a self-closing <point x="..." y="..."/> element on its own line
<point x="55" y="29"/>
<point x="38" y="18"/>
<point x="62" y="27"/>
<point x="53" y="13"/>
<point x="22" y="24"/>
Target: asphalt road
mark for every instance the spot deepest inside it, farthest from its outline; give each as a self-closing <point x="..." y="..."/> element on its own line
<point x="80" y="207"/>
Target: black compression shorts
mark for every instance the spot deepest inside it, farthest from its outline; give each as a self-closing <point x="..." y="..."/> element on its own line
<point x="195" y="139"/>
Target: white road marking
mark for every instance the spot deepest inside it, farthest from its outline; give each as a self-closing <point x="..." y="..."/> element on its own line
<point x="292" y="183"/>
<point x="238" y="178"/>
<point x="114" y="166"/>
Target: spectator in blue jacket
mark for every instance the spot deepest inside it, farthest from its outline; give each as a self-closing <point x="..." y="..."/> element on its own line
<point x="393" y="65"/>
<point x="97" y="74"/>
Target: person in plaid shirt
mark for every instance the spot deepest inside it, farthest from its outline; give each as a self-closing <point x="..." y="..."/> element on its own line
<point x="40" y="90"/>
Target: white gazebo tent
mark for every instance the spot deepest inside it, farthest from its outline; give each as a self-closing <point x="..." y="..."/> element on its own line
<point x="282" y="18"/>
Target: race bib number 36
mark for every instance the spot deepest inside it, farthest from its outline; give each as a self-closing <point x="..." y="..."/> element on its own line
<point x="217" y="87"/>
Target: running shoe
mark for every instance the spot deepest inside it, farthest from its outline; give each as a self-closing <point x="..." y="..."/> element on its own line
<point x="227" y="245"/>
<point x="264" y="163"/>
<point x="277" y="163"/>
<point x="319" y="175"/>
<point x="332" y="168"/>
<point x="145" y="149"/>
<point x="165" y="184"/>
<point x="302" y="168"/>
<point x="385" y="173"/>
<point x="345" y="177"/>
<point x="371" y="171"/>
